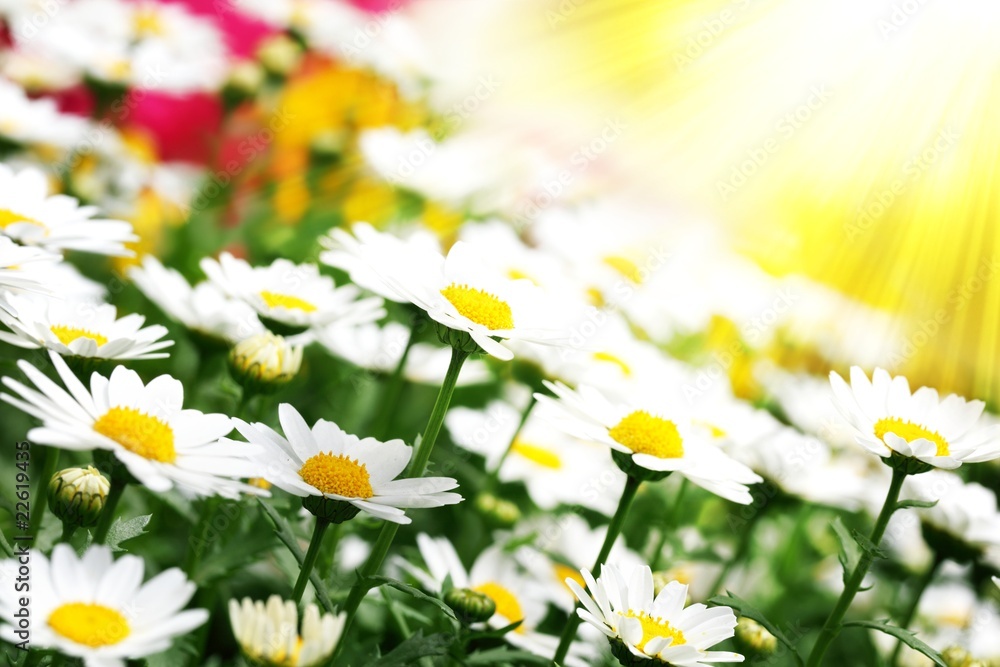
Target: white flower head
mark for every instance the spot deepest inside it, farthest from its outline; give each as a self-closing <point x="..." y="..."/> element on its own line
<point x="654" y="627"/>
<point x="81" y="329"/>
<point x="203" y="308"/>
<point x="98" y="609"/>
<point x="651" y="437"/>
<point x="145" y="426"/>
<point x="966" y="512"/>
<point x="888" y="418"/>
<point x="24" y="268"/>
<point x="269" y="633"/>
<point x="325" y="462"/>
<point x="292" y="295"/>
<point x="30" y="216"/>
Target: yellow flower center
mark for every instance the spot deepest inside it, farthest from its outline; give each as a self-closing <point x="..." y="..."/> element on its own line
<point x="89" y="624"/>
<point x="147" y="22"/>
<point x="67" y="335"/>
<point x="338" y="475"/>
<point x="506" y="602"/>
<point x="564" y="572"/>
<point x="480" y="307"/>
<point x="625" y="266"/>
<point x="909" y="431"/>
<point x="653" y="627"/>
<point x="644" y="433"/>
<point x="716" y="431"/>
<point x="278" y="300"/>
<point x="9" y="217"/>
<point x="613" y="359"/>
<point x="536" y="454"/>
<point x="139" y="433"/>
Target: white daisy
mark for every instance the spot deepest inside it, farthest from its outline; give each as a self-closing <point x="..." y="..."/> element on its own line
<point x="204" y="309"/>
<point x="325" y="462"/>
<point x="268" y="634"/>
<point x="495" y="574"/>
<point x="25" y="267"/>
<point x="37" y="122"/>
<point x="146" y="427"/>
<point x="379" y="349"/>
<point x="555" y="468"/>
<point x="646" y="434"/>
<point x="81" y="329"/>
<point x="98" y="609"/>
<point x="367" y="254"/>
<point x="659" y="628"/>
<point x="887" y="418"/>
<point x="457" y="293"/>
<point x="965" y="523"/>
<point x="562" y="546"/>
<point x="291" y="295"/>
<point x="30" y="216"/>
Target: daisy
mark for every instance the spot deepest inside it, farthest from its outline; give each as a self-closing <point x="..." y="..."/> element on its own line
<point x="81" y="329"/>
<point x="379" y="349"/>
<point x="496" y="575"/>
<point x="325" y="462"/>
<point x="964" y="524"/>
<point x="648" y="441"/>
<point x="555" y="468"/>
<point x="660" y="628"/>
<point x="203" y="309"/>
<point x="367" y="254"/>
<point x="888" y="420"/>
<point x="145" y="426"/>
<point x="457" y="293"/>
<point x="98" y="609"/>
<point x="268" y="634"/>
<point x="291" y="296"/>
<point x="30" y="216"/>
<point x="24" y="267"/>
<point x="37" y="122"/>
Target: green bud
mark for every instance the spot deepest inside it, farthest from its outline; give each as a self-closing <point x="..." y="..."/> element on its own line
<point x="754" y="638"/>
<point x="470" y="606"/>
<point x="280" y="55"/>
<point x="77" y="495"/>
<point x="501" y="513"/>
<point x="264" y="363"/>
<point x="956" y="656"/>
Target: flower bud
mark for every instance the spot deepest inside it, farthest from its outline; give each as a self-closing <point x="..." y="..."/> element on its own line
<point x="754" y="638"/>
<point x="243" y="83"/>
<point x="499" y="512"/>
<point x="956" y="656"/>
<point x="264" y="363"/>
<point x="77" y="495"/>
<point x="470" y="606"/>
<point x="280" y="55"/>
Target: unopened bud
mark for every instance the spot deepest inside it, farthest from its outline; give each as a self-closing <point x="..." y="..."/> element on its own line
<point x="264" y="363"/>
<point x="470" y="606"/>
<point x="754" y="638"/>
<point x="77" y="495"/>
<point x="501" y="513"/>
<point x="280" y="55"/>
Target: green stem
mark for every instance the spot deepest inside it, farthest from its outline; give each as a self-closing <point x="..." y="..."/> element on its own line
<point x="742" y="547"/>
<point x="67" y="531"/>
<point x="310" y="559"/>
<point x="911" y="610"/>
<point x="417" y="466"/>
<point x="198" y="545"/>
<point x="614" y="530"/>
<point x="832" y="626"/>
<point x="510" y="445"/>
<point x="108" y="513"/>
<point x="50" y="459"/>
<point x="669" y="524"/>
<point x="393" y="389"/>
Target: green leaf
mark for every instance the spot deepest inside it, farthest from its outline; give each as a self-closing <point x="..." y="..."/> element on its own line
<point x="744" y="608"/>
<point x="7" y="550"/>
<point x="903" y="635"/>
<point x="493" y="634"/>
<point x="871" y="549"/>
<point x="412" y="592"/>
<point x="222" y="562"/>
<point x="850" y="554"/>
<point x="126" y="530"/>
<point x="287" y="537"/>
<point x="414" y="648"/>
<point x="919" y="504"/>
<point x="506" y="655"/>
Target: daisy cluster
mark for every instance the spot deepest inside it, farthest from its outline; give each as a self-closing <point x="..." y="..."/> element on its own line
<point x="353" y="387"/>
